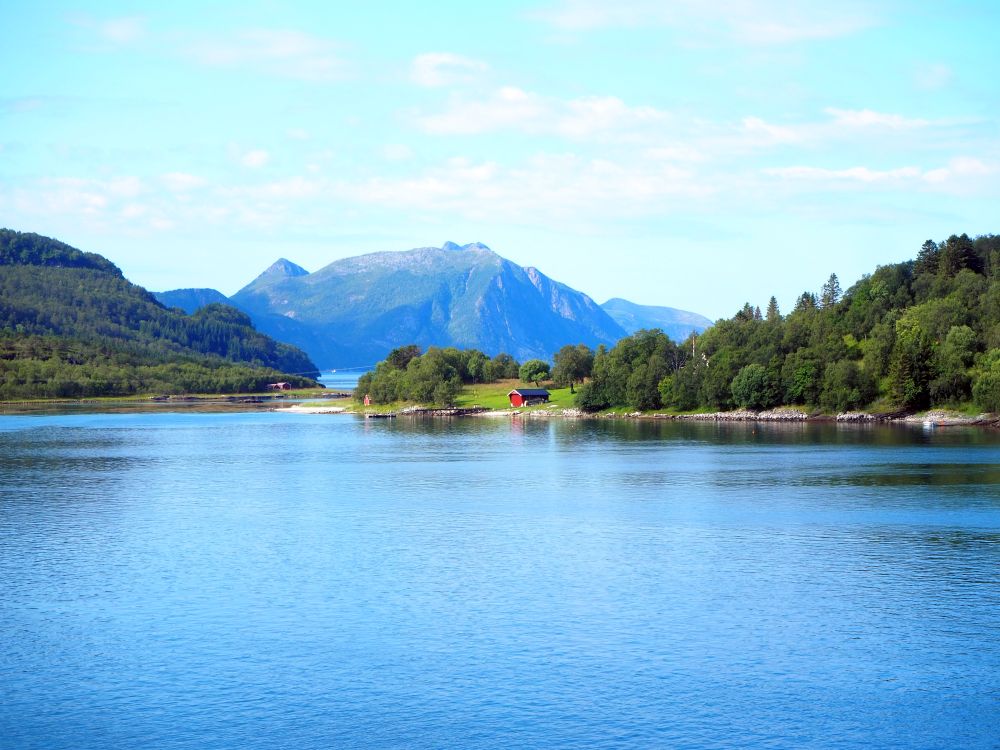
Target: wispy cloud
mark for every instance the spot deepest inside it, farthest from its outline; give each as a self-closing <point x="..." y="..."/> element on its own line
<point x="285" y="53"/>
<point x="960" y="175"/>
<point x="397" y="152"/>
<point x="122" y="30"/>
<point x="867" y="118"/>
<point x="114" y="32"/>
<point x="547" y="189"/>
<point x="182" y="182"/>
<point x="434" y="69"/>
<point x="255" y="159"/>
<point x="850" y="174"/>
<point x="749" y="21"/>
<point x="512" y="108"/>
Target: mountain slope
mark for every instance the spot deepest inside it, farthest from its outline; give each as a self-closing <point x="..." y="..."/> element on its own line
<point x="72" y="325"/>
<point x="677" y="324"/>
<point x="357" y="309"/>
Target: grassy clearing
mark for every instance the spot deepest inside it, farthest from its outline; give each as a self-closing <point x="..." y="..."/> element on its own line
<point x="494" y="395"/>
<point x="485" y="395"/>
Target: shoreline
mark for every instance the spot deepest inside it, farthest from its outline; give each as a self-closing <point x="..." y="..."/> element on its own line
<point x="930" y="419"/>
<point x="282" y="404"/>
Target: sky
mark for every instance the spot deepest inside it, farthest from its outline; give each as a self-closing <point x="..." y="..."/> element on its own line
<point x="681" y="153"/>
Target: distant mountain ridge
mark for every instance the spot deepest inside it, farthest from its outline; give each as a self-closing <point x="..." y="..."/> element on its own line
<point x="357" y="309"/>
<point x="677" y="324"/>
<point x="190" y="300"/>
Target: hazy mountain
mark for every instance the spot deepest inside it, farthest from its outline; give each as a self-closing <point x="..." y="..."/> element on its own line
<point x="355" y="310"/>
<point x="190" y="300"/>
<point x="677" y="324"/>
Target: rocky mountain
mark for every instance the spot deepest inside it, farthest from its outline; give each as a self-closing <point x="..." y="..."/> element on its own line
<point x="355" y="310"/>
<point x="190" y="300"/>
<point x="677" y="324"/>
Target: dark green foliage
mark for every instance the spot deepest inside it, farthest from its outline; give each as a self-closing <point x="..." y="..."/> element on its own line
<point x="534" y="371"/>
<point x="573" y="364"/>
<point x="754" y="388"/>
<point x="846" y="386"/>
<point x="630" y="374"/>
<point x="505" y="367"/>
<point x="910" y="335"/>
<point x="400" y="357"/>
<point x="28" y="249"/>
<point x="70" y="324"/>
<point x="433" y="378"/>
<point x="986" y="386"/>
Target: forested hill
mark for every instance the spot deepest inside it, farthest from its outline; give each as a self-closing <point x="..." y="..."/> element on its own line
<point x="908" y="336"/>
<point x="71" y="326"/>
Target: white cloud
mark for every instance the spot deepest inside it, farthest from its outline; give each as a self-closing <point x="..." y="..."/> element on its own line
<point x="675" y="153"/>
<point x="297" y="134"/>
<point x="133" y="211"/>
<point x="866" y="118"/>
<point x="960" y="176"/>
<point x="286" y="53"/>
<point x="769" y="133"/>
<point x="110" y="33"/>
<point x="851" y="174"/>
<point x="749" y="21"/>
<point x="255" y="159"/>
<point x="512" y="108"/>
<point x="122" y="30"/>
<point x="435" y="69"/>
<point x="961" y="168"/>
<point x="547" y="188"/>
<point x="397" y="152"/>
<point x="181" y="182"/>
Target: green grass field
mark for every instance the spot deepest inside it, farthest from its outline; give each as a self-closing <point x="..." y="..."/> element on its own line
<point x="494" y="395"/>
<point x="489" y="396"/>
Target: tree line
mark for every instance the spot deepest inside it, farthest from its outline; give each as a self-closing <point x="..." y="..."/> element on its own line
<point x="908" y="336"/>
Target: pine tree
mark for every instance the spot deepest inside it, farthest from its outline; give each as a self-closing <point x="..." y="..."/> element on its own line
<point x="773" y="313"/>
<point x="928" y="258"/>
<point x="830" y="293"/>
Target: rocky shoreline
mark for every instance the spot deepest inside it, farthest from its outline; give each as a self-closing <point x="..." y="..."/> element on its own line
<point x="934" y="418"/>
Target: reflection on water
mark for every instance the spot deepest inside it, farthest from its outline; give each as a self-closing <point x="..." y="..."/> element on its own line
<point x="272" y="580"/>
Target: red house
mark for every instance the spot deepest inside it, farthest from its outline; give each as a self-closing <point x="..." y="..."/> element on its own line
<point x="528" y="396"/>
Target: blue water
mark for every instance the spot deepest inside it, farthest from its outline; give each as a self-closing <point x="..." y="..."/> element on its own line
<point x="262" y="580"/>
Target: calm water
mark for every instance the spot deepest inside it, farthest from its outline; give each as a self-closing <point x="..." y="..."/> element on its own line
<point x="275" y="581"/>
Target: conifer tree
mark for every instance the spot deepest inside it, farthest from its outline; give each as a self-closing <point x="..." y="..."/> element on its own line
<point x="773" y="314"/>
<point x="830" y="293"/>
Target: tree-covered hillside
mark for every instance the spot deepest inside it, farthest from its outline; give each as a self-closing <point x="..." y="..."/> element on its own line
<point x="909" y="336"/>
<point x="71" y="325"/>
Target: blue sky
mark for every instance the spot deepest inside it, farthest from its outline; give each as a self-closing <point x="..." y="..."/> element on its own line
<point x="690" y="154"/>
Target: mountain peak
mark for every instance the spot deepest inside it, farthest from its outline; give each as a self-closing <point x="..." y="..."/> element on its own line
<point x="285" y="267"/>
<point x="454" y="247"/>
